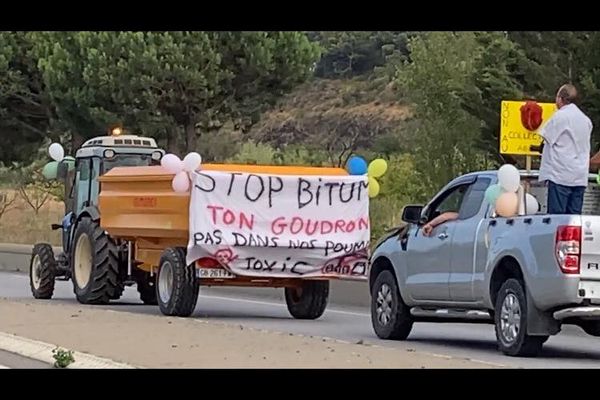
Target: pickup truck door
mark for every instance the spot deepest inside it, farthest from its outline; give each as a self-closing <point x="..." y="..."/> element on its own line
<point x="468" y="238"/>
<point x="428" y="258"/>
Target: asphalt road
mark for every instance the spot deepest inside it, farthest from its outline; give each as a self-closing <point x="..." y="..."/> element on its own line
<point x="572" y="348"/>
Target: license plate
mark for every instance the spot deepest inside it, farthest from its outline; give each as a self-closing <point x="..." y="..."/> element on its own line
<point x="214" y="273"/>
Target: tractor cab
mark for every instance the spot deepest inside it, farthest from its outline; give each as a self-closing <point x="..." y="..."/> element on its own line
<point x="96" y="157"/>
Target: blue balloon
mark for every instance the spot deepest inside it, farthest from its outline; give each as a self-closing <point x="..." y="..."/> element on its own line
<point x="492" y="193"/>
<point x="356" y="166"/>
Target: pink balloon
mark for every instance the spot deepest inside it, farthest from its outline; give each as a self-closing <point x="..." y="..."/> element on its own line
<point x="172" y="163"/>
<point x="181" y="182"/>
<point x="507" y="205"/>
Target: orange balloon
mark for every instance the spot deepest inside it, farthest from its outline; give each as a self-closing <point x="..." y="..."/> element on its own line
<point x="507" y="205"/>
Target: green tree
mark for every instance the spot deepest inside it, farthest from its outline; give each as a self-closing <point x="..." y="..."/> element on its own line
<point x="554" y="58"/>
<point x="493" y="80"/>
<point x="353" y="53"/>
<point x="174" y="85"/>
<point x="25" y="111"/>
<point x="442" y="66"/>
<point x="260" y="67"/>
<point x="156" y="82"/>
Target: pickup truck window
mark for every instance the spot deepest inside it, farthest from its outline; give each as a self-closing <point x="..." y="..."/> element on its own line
<point x="471" y="203"/>
<point x="450" y="202"/>
<point x="463" y="199"/>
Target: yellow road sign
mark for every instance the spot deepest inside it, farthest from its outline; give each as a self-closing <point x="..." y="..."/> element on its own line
<point x="514" y="138"/>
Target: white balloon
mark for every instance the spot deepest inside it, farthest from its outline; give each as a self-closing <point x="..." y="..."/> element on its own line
<point x="181" y="182"/>
<point x="509" y="178"/>
<point x="191" y="162"/>
<point x="532" y="204"/>
<point x="56" y="151"/>
<point x="172" y="163"/>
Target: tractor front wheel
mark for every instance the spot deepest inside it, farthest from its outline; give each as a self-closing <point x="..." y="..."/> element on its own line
<point x="42" y="271"/>
<point x="95" y="265"/>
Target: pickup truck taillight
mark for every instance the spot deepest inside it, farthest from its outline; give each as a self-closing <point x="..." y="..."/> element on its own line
<point x="568" y="248"/>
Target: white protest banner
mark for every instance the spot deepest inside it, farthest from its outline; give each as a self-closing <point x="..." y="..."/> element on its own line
<point x="281" y="226"/>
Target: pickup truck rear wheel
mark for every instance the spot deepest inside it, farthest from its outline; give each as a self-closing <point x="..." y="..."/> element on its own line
<point x="510" y="319"/>
<point x="176" y="284"/>
<point x="390" y="316"/>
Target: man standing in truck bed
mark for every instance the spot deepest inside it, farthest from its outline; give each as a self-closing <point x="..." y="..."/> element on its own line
<point x="566" y="155"/>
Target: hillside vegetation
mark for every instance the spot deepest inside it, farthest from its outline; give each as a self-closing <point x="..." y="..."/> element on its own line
<point x="428" y="102"/>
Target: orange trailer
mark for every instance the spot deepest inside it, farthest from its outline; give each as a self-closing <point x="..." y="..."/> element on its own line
<point x="139" y="206"/>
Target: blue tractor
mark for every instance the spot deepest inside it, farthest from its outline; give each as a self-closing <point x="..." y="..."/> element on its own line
<point x="99" y="266"/>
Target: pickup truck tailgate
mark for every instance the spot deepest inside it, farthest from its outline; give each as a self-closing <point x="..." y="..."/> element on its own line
<point x="590" y="256"/>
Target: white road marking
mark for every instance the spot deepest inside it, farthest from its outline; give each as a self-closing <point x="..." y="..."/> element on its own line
<point x="267" y="303"/>
<point x="3" y="367"/>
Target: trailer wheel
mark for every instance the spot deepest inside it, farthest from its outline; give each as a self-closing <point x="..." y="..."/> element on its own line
<point x="176" y="284"/>
<point x="42" y="270"/>
<point x="95" y="265"/>
<point x="146" y="288"/>
<point x="510" y="319"/>
<point x="308" y="301"/>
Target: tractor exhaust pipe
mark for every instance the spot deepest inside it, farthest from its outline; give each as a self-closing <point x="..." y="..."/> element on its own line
<point x="129" y="259"/>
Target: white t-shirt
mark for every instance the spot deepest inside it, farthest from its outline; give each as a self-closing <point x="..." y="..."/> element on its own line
<point x="566" y="155"/>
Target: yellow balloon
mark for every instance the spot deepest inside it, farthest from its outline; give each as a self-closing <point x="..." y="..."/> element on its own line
<point x="377" y="168"/>
<point x="373" y="187"/>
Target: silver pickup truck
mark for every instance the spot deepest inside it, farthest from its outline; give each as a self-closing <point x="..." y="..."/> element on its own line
<point x="527" y="275"/>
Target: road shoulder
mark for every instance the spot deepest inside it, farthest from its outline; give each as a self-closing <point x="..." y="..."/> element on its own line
<point x="166" y="342"/>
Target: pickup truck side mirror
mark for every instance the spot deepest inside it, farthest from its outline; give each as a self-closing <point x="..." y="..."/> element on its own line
<point x="412" y="214"/>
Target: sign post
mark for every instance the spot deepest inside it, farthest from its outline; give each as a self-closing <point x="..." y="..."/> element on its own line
<point x="528" y="163"/>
